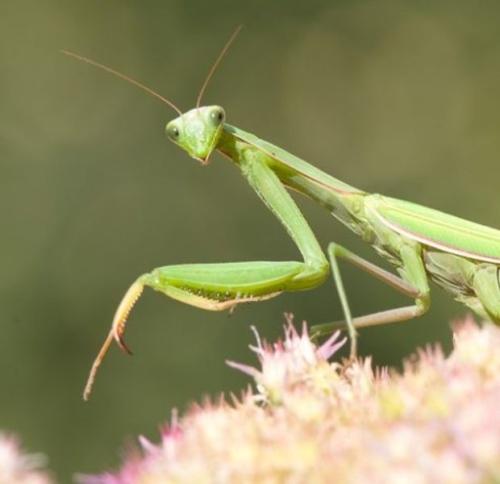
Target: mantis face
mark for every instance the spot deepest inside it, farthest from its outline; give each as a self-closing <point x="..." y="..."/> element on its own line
<point x="198" y="131"/>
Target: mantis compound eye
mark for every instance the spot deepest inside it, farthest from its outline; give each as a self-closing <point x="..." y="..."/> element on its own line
<point x="217" y="116"/>
<point x="173" y="132"/>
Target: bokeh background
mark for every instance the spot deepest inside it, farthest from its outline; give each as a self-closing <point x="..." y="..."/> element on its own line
<point x="401" y="98"/>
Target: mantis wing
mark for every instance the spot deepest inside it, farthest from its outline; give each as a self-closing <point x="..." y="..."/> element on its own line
<point x="430" y="227"/>
<point x="440" y="230"/>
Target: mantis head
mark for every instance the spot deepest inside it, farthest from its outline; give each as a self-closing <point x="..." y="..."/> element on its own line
<point x="198" y="131"/>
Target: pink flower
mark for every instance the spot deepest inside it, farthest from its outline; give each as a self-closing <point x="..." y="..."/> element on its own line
<point x="311" y="420"/>
<point x="19" y="468"/>
<point x="288" y="362"/>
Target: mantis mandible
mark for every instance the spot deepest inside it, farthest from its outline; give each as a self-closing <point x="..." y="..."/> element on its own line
<point x="422" y="244"/>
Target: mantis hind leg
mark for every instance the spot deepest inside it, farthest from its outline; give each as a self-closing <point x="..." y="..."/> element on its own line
<point x="487" y="288"/>
<point x="414" y="285"/>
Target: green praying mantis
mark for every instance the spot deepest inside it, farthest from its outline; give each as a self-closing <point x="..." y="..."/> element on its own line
<point x="422" y="244"/>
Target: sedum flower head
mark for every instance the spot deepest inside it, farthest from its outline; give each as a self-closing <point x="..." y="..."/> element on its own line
<point x="290" y="363"/>
<point x="313" y="421"/>
<point x="17" y="467"/>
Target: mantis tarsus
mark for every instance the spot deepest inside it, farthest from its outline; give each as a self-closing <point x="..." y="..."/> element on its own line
<point x="423" y="244"/>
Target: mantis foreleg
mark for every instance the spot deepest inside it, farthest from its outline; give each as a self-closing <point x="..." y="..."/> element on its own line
<point x="216" y="287"/>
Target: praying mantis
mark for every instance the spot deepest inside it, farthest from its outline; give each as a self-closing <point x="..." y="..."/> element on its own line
<point x="422" y="244"/>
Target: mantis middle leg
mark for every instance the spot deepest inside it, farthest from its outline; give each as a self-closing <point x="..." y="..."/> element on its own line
<point x="414" y="285"/>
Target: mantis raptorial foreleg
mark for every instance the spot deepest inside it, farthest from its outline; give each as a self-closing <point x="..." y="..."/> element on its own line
<point x="418" y="290"/>
<point x="213" y="287"/>
<point x="216" y="287"/>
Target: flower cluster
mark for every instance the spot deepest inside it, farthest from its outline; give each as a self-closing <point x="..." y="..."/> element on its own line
<point x="312" y="421"/>
<point x="17" y="467"/>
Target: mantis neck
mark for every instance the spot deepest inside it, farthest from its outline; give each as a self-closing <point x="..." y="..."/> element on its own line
<point x="342" y="200"/>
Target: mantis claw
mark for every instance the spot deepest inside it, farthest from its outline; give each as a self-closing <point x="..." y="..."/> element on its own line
<point x="122" y="313"/>
<point x="121" y="343"/>
<point x="117" y="331"/>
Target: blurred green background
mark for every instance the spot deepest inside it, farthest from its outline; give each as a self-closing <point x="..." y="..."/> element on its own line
<point x="401" y="98"/>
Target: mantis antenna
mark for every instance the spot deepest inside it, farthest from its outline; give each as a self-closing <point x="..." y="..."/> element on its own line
<point x="124" y="77"/>
<point x="216" y="64"/>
